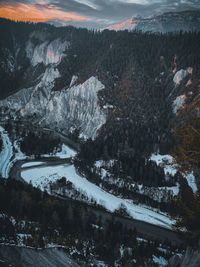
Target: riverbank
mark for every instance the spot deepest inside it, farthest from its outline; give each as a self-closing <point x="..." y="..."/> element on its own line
<point x="144" y="220"/>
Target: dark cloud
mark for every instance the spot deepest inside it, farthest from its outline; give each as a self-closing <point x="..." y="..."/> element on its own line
<point x="106" y="12"/>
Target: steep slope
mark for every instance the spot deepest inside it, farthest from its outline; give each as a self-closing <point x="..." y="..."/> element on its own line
<point x="122" y="89"/>
<point x="75" y="107"/>
<point x="19" y="257"/>
<point x="190" y="258"/>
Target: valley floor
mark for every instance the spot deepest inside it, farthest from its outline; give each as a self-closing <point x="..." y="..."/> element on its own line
<point x="43" y="176"/>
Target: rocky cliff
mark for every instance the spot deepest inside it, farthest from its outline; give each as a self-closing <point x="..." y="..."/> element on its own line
<point x="75" y="106"/>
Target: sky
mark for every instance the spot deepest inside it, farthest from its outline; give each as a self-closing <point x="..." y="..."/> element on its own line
<point x="89" y="13"/>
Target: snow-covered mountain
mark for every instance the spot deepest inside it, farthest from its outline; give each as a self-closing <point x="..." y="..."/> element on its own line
<point x="167" y="22"/>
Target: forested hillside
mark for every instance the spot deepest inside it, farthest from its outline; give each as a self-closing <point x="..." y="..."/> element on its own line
<point x="142" y="77"/>
<point x="130" y="103"/>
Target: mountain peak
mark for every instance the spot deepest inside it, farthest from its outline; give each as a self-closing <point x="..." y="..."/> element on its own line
<point x="166" y="22"/>
<point x="127" y="24"/>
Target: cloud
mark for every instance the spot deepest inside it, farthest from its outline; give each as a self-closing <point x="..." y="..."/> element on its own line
<point x="88" y="3"/>
<point x="92" y="13"/>
<point x="39" y="11"/>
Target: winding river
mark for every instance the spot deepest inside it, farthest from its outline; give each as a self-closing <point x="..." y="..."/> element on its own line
<point x="144" y="229"/>
<point x="6" y="154"/>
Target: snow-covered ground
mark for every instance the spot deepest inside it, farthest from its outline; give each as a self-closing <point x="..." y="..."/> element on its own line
<point x="170" y="167"/>
<point x="66" y="152"/>
<point x="18" y="155"/>
<point x="6" y="154"/>
<point x="180" y="75"/>
<point x="165" y="161"/>
<point x="11" y="153"/>
<point x="191" y="181"/>
<point x="173" y="189"/>
<point x="43" y="176"/>
<point x="32" y="164"/>
<point x="178" y="103"/>
<point x="160" y="261"/>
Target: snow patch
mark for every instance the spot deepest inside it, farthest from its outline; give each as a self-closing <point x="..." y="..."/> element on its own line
<point x="101" y="163"/>
<point x="170" y="167"/>
<point x="66" y="152"/>
<point x="165" y="161"/>
<point x="108" y="107"/>
<point x="180" y="75"/>
<point x="191" y="181"/>
<point x="178" y="103"/>
<point x="18" y="154"/>
<point x="160" y="261"/>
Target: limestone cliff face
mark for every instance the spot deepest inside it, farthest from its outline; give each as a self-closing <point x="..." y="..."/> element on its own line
<point x="74" y="107"/>
<point x="77" y="107"/>
<point x="71" y="108"/>
<point x="40" y="94"/>
<point x="46" y="52"/>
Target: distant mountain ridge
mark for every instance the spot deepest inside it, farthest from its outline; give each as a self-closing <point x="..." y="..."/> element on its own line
<point x="166" y="22"/>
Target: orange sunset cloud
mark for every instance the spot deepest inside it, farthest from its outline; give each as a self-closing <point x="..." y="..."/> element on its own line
<point x="36" y="12"/>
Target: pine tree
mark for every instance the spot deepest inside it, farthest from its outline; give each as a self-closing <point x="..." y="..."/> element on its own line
<point x="187" y="152"/>
<point x="187" y="155"/>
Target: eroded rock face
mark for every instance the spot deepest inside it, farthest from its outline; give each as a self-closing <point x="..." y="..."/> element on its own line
<point x="46" y="52"/>
<point x="77" y="107"/>
<point x="41" y="93"/>
<point x="74" y="107"/>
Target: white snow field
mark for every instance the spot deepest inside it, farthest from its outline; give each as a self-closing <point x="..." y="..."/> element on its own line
<point x="5" y="154"/>
<point x="160" y="261"/>
<point x="43" y="176"/>
<point x="66" y="152"/>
